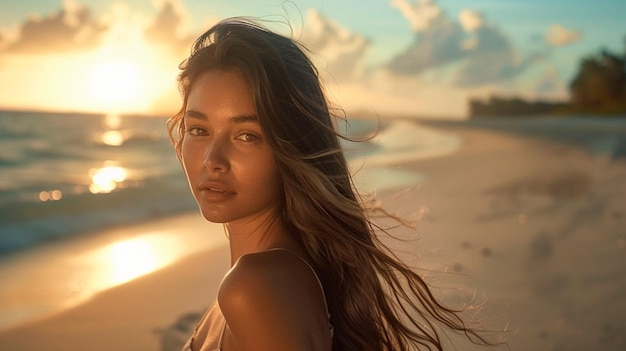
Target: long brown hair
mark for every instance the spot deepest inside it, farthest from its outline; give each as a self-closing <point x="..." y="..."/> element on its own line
<point x="376" y="301"/>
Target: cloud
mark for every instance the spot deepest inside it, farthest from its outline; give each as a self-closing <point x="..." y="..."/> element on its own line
<point x="491" y="67"/>
<point x="70" y="29"/>
<point x="430" y="49"/>
<point x="558" y="35"/>
<point x="342" y="50"/>
<point x="437" y="41"/>
<point x="420" y="15"/>
<point x="471" y="20"/>
<point x="167" y="27"/>
<point x="73" y="29"/>
<point x="492" y="59"/>
<point x="475" y="51"/>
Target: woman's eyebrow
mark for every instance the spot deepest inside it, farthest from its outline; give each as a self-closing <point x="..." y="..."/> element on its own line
<point x="245" y="119"/>
<point x="195" y="114"/>
<point x="235" y="119"/>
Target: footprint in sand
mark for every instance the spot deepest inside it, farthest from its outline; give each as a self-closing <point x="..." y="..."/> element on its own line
<point x="542" y="246"/>
<point x="174" y="337"/>
<point x="549" y="284"/>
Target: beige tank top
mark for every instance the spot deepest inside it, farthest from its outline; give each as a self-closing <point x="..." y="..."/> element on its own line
<point x="215" y="314"/>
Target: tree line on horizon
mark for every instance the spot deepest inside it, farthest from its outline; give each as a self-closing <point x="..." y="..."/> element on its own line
<point x="598" y="87"/>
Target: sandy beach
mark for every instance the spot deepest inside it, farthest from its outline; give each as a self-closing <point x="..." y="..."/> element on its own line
<point x="532" y="226"/>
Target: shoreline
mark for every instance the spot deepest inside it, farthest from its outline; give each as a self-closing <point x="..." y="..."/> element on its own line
<point x="130" y="316"/>
<point x="85" y="266"/>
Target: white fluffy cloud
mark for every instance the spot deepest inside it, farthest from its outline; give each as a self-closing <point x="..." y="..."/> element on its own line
<point x="70" y="29"/>
<point x="471" y="20"/>
<point x="338" y="51"/>
<point x="73" y="29"/>
<point x="420" y="14"/>
<point x="437" y="44"/>
<point x="168" y="27"/>
<point x="558" y="35"/>
<point x="475" y="51"/>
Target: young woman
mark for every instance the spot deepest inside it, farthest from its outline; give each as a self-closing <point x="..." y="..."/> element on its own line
<point x="257" y="143"/>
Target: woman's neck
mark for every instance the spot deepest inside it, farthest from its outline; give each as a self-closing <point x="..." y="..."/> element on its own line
<point x="247" y="238"/>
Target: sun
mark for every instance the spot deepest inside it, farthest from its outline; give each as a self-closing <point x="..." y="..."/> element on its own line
<point x="116" y="83"/>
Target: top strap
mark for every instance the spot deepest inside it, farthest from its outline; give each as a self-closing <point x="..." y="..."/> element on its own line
<point x="319" y="282"/>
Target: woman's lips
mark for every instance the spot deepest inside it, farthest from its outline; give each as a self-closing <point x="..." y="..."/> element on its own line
<point x="214" y="191"/>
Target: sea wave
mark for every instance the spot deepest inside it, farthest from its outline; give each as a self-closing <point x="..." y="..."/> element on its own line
<point x="26" y="224"/>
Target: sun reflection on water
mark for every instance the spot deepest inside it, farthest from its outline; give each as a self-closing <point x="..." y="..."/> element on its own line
<point x="112" y="121"/>
<point x="113" y="138"/>
<point x="106" y="179"/>
<point x="52" y="195"/>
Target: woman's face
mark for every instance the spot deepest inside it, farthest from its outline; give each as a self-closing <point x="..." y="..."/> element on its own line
<point x="228" y="163"/>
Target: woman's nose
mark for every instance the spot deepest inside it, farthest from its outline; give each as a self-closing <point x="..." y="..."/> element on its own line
<point x="216" y="156"/>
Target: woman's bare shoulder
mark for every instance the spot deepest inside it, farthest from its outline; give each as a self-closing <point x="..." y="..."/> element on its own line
<point x="272" y="301"/>
<point x="268" y="276"/>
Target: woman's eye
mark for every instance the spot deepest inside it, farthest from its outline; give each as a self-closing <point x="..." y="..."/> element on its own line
<point x="196" y="131"/>
<point x="247" y="137"/>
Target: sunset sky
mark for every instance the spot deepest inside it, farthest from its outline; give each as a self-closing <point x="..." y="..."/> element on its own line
<point x="417" y="57"/>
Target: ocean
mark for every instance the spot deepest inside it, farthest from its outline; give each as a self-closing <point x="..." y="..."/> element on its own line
<point x="72" y="174"/>
<point x="65" y="175"/>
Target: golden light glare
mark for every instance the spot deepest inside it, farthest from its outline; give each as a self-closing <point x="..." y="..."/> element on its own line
<point x="115" y="82"/>
<point x="53" y="195"/>
<point x="130" y="259"/>
<point x="105" y="179"/>
<point x="113" y="138"/>
<point x="112" y="121"/>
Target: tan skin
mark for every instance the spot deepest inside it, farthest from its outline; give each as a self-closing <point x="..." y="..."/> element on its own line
<point x="270" y="299"/>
